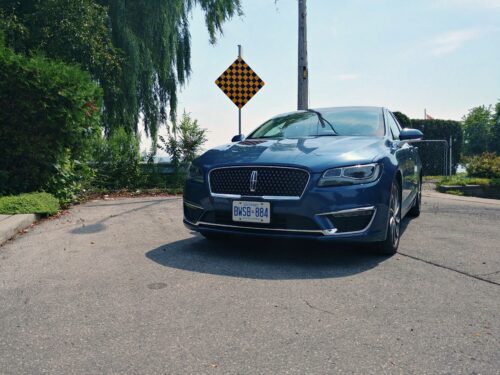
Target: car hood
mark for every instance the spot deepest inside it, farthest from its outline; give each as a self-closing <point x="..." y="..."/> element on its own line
<point x="314" y="153"/>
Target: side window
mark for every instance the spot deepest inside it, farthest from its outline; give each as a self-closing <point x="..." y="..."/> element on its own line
<point x="393" y="125"/>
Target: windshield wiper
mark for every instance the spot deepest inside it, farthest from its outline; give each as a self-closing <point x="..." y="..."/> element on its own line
<point x="323" y="120"/>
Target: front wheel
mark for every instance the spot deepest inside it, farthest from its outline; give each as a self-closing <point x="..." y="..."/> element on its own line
<point x="391" y="243"/>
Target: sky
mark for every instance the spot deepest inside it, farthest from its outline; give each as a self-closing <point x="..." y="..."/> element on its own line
<point x="442" y="55"/>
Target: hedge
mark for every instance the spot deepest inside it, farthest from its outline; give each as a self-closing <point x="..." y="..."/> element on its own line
<point x="49" y="112"/>
<point x="432" y="153"/>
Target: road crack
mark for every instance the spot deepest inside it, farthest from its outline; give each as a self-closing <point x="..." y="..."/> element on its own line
<point x="317" y="308"/>
<point x="450" y="269"/>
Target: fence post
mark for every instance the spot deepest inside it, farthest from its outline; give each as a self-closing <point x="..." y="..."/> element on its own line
<point x="451" y="156"/>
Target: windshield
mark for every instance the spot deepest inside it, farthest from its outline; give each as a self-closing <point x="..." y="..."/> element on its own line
<point x="344" y="121"/>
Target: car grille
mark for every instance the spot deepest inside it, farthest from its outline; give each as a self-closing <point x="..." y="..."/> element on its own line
<point x="271" y="181"/>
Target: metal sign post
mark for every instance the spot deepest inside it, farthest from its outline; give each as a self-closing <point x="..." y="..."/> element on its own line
<point x="239" y="109"/>
<point x="240" y="83"/>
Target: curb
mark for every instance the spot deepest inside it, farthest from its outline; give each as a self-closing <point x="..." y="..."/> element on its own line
<point x="10" y="225"/>
<point x="435" y="194"/>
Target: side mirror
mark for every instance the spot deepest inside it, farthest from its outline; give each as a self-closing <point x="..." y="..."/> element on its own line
<point x="408" y="134"/>
<point x="238" y="138"/>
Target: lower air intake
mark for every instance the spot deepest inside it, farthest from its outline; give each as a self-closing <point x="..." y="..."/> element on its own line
<point x="355" y="221"/>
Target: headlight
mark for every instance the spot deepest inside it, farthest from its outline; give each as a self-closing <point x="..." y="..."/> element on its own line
<point x="357" y="174"/>
<point x="195" y="173"/>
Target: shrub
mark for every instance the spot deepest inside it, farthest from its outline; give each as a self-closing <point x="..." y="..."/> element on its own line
<point x="486" y="165"/>
<point x="49" y="113"/>
<point x="152" y="175"/>
<point x="116" y="161"/>
<point x="31" y="203"/>
<point x="184" y="142"/>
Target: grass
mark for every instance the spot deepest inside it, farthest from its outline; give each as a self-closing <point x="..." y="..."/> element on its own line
<point x="431" y="178"/>
<point x="30" y="203"/>
<point x="454" y="192"/>
<point x="461" y="179"/>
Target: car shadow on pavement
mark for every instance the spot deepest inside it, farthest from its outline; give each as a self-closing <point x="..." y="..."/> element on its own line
<point x="266" y="259"/>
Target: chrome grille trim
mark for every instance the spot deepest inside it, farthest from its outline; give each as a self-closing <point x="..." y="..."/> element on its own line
<point x="318" y="231"/>
<point x="266" y="197"/>
<point x="353" y="210"/>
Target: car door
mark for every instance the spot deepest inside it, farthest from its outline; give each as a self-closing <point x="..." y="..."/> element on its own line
<point x="406" y="162"/>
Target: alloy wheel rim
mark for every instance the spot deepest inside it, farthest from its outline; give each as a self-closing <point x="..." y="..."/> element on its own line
<point x="395" y="217"/>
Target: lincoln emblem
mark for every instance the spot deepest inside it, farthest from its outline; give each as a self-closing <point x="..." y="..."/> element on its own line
<point x="253" y="181"/>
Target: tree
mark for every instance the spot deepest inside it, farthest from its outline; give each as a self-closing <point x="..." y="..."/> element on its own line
<point x="154" y="36"/>
<point x="477" y="130"/>
<point x="139" y="51"/>
<point x="403" y="120"/>
<point x="495" y="130"/>
<point x="74" y="31"/>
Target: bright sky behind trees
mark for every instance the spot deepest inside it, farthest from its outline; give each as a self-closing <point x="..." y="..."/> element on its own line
<point x="442" y="55"/>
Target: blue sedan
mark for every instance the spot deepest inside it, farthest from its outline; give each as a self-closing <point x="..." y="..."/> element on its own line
<point x="332" y="174"/>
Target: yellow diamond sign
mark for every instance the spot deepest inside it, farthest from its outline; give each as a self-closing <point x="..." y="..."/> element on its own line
<point x="239" y="82"/>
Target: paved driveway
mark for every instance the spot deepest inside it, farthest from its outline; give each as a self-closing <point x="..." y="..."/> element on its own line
<point x="122" y="287"/>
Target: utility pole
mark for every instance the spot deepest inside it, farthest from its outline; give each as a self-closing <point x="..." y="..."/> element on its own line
<point x="303" y="74"/>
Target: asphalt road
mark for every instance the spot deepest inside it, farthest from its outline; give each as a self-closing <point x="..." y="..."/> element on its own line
<point x="122" y="287"/>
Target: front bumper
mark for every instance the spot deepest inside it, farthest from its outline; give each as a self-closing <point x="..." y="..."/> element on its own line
<point x="346" y="213"/>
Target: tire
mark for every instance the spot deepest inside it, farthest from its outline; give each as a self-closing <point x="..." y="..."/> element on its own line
<point x="415" y="210"/>
<point x="391" y="243"/>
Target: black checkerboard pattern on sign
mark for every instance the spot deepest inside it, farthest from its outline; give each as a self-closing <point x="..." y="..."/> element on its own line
<point x="239" y="82"/>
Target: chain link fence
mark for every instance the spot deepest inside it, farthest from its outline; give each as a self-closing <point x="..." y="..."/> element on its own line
<point x="435" y="156"/>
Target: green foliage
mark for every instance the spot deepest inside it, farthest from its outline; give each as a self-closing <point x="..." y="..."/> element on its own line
<point x="13" y="29"/>
<point x="403" y="120"/>
<point x="74" y="31"/>
<point x="50" y="112"/>
<point x="462" y="179"/>
<point x="139" y="51"/>
<point x="151" y="175"/>
<point x="116" y="161"/>
<point x="430" y="153"/>
<point x="495" y="130"/>
<point x="184" y="142"/>
<point x="486" y="165"/>
<point x="477" y="130"/>
<point x="154" y="36"/>
<point x="31" y="203"/>
<point x="72" y="177"/>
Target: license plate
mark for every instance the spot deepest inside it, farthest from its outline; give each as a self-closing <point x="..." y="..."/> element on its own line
<point x="253" y="212"/>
